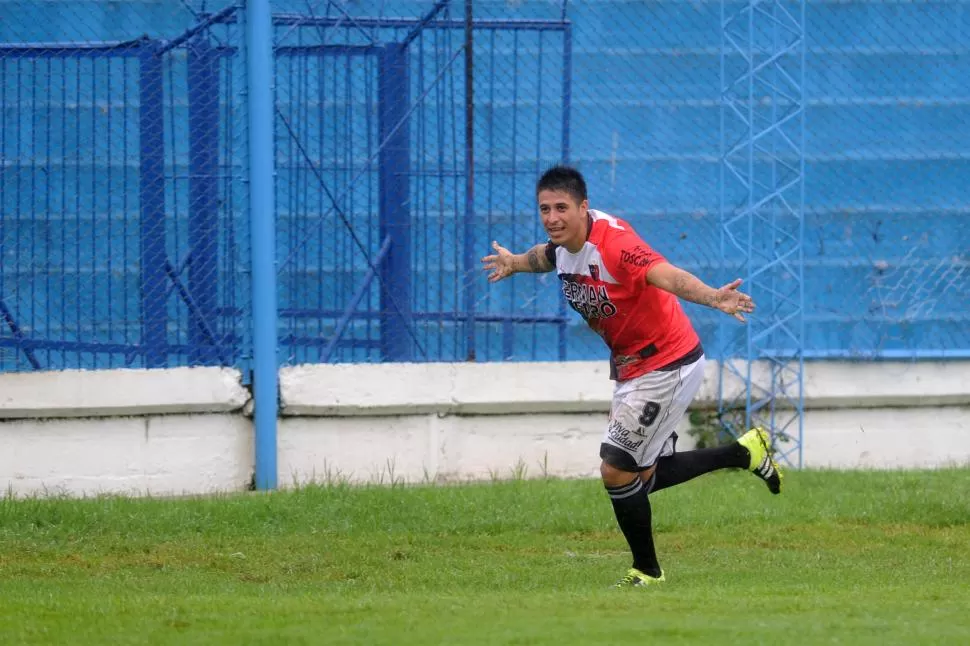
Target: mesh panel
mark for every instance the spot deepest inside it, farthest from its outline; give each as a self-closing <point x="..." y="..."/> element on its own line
<point x="123" y="147"/>
<point x="124" y="164"/>
<point x="381" y="225"/>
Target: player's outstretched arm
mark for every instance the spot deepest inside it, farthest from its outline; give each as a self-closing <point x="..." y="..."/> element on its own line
<point x="685" y="285"/>
<point x="503" y="263"/>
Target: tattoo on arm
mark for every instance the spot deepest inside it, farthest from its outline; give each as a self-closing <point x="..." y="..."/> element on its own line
<point x="712" y="299"/>
<point x="535" y="260"/>
<point x="533" y="257"/>
<point x="690" y="288"/>
<point x="682" y="286"/>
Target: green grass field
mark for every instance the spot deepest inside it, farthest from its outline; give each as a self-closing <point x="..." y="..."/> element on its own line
<point x="839" y="558"/>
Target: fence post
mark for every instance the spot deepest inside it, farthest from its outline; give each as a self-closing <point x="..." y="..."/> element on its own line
<point x="152" y="202"/>
<point x="469" y="281"/>
<point x="567" y="100"/>
<point x="261" y="91"/>
<point x="203" y="86"/>
<point x="395" y="212"/>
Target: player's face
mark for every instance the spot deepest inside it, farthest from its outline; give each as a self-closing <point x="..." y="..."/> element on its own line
<point x="563" y="218"/>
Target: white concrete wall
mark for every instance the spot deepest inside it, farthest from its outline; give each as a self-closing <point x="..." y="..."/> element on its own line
<point x="887" y="437"/>
<point x="186" y="431"/>
<point x="157" y="454"/>
<point x="420" y="448"/>
<point x="351" y="422"/>
<point x="85" y="433"/>
<point x="106" y="393"/>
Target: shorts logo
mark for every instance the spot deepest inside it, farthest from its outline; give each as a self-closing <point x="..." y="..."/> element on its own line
<point x="623" y="437"/>
<point x="638" y="257"/>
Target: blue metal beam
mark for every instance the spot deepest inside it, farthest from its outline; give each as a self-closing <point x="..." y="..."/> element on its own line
<point x="470" y="262"/>
<point x="75" y="50"/>
<point x="395" y="213"/>
<point x="203" y="91"/>
<point x="93" y="347"/>
<point x="216" y="18"/>
<point x="425" y="315"/>
<point x="284" y="19"/>
<point x="261" y="91"/>
<point x="567" y="100"/>
<point x="423" y="22"/>
<point x="19" y="336"/>
<point x="204" y="342"/>
<point x="319" y="50"/>
<point x="351" y="308"/>
<point x="762" y="213"/>
<point x="152" y="196"/>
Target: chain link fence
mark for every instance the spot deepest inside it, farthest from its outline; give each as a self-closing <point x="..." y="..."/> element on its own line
<point x="382" y="111"/>
<point x="407" y="138"/>
<point x="646" y="131"/>
<point x="124" y="210"/>
<point x="887" y="241"/>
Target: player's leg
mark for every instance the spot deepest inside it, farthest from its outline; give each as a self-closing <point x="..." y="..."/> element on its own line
<point x="674" y="468"/>
<point x="687" y="465"/>
<point x="749" y="452"/>
<point x="760" y="462"/>
<point x="631" y="506"/>
<point x="640" y="429"/>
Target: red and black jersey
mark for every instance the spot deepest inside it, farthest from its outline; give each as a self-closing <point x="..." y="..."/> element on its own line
<point x="606" y="282"/>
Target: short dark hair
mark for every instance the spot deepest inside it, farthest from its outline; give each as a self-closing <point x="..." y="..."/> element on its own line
<point x="563" y="178"/>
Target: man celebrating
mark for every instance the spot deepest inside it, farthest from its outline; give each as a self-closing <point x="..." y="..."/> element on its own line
<point x="627" y="293"/>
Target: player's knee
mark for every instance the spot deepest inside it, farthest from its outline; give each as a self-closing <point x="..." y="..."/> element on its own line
<point x="618" y="467"/>
<point x="647" y="474"/>
<point x="613" y="477"/>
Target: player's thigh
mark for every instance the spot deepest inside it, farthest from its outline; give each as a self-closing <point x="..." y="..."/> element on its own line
<point x="688" y="381"/>
<point x="646" y="412"/>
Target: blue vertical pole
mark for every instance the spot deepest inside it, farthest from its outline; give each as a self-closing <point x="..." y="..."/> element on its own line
<point x="723" y="352"/>
<point x="567" y="88"/>
<point x="203" y="86"/>
<point x="260" y="88"/>
<point x="801" y="238"/>
<point x="395" y="213"/>
<point x="567" y="99"/>
<point x="469" y="229"/>
<point x="749" y="208"/>
<point x="152" y="201"/>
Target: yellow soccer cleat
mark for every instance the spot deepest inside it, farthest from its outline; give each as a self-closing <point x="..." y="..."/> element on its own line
<point x="634" y="578"/>
<point x="762" y="465"/>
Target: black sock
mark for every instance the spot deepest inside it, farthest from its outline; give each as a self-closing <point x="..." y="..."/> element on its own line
<point x="632" y="508"/>
<point x="681" y="467"/>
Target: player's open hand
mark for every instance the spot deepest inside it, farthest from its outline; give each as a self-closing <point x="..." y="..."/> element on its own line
<point x="499" y="263"/>
<point x="730" y="301"/>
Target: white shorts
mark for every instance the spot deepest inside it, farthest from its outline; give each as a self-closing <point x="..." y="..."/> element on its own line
<point x="645" y="413"/>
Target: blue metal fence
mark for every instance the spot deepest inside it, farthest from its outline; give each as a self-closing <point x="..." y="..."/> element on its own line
<point x="125" y="226"/>
<point x="52" y="238"/>
<point x="121" y="204"/>
<point x="379" y="240"/>
<point x="119" y="210"/>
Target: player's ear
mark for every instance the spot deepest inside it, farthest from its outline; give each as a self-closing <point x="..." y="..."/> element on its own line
<point x="584" y="205"/>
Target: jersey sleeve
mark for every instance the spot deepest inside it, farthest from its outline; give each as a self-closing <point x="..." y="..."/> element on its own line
<point x="550" y="252"/>
<point x="628" y="259"/>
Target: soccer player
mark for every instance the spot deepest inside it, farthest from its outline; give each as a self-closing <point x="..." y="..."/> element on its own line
<point x="627" y="293"/>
